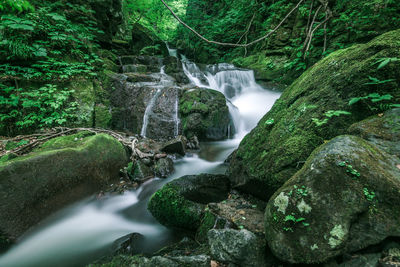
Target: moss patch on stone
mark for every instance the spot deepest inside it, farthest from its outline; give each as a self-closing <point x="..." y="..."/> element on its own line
<point x="173" y="210"/>
<point x="204" y="113"/>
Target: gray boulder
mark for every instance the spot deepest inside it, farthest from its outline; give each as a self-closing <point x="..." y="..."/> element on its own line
<point x="239" y="247"/>
<point x="382" y="130"/>
<point x="341" y="201"/>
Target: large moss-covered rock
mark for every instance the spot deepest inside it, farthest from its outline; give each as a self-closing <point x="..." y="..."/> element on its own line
<point x="204" y="113"/>
<point x="341" y="201"/>
<point x="286" y="135"/>
<point x="180" y="203"/>
<point x="63" y="170"/>
<point x="383" y="130"/>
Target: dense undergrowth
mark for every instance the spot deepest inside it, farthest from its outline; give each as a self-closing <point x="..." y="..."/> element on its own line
<point x="43" y="47"/>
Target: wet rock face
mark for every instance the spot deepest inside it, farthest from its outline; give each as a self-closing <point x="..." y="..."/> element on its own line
<point x="284" y="138"/>
<point x="239" y="247"/>
<point x="162" y="116"/>
<point x="341" y="201"/>
<point x="135" y="89"/>
<point x="204" y="114"/>
<point x="62" y="170"/>
<point x="180" y="203"/>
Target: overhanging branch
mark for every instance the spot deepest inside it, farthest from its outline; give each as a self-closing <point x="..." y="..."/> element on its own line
<point x="232" y="44"/>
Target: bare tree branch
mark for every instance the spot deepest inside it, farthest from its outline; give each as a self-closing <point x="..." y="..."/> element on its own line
<point x="232" y="44"/>
<point x="248" y="28"/>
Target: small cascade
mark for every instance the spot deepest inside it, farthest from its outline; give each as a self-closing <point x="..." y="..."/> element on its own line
<point x="162" y="110"/>
<point x="172" y="52"/>
<point x="247" y="101"/>
<point x="148" y="111"/>
<point x="176" y="116"/>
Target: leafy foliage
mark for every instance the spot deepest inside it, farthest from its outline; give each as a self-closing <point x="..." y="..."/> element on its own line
<point x="153" y="15"/>
<point x="41" y="49"/>
<point x="329" y="114"/>
<point x="44" y="107"/>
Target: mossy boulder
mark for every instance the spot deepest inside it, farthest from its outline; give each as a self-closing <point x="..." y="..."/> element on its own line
<point x="180" y="203"/>
<point x="61" y="171"/>
<point x="145" y="41"/>
<point x="341" y="201"/>
<point x="242" y="248"/>
<point x="383" y="130"/>
<point x="287" y="134"/>
<point x="204" y="114"/>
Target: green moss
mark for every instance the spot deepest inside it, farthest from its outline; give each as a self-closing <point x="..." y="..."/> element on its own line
<point x="202" y="111"/>
<point x="74" y="140"/>
<point x="271" y="154"/>
<point x="173" y="210"/>
<point x="269" y="68"/>
<point x="103" y="116"/>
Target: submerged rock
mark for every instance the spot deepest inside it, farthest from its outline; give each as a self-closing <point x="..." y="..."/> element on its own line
<point x="63" y="170"/>
<point x="180" y="203"/>
<point x="341" y="201"/>
<point x="287" y="134"/>
<point x="204" y="114"/>
<point x="239" y="247"/>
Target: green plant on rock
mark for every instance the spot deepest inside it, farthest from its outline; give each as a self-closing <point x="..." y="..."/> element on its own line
<point x="375" y="99"/>
<point x="293" y="220"/>
<point x="386" y="60"/>
<point x="369" y="195"/>
<point x="349" y="168"/>
<point x="329" y="114"/>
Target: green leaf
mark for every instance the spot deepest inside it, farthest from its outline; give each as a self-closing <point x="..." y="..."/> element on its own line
<point x="384" y="63"/>
<point x="354" y="100"/>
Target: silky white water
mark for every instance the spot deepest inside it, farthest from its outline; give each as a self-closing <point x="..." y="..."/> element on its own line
<point x="247" y="101"/>
<point x="85" y="231"/>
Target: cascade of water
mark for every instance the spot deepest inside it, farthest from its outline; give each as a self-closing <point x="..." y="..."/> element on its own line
<point x="176" y="116"/>
<point x="247" y="101"/>
<point x="172" y="52"/>
<point x="148" y="112"/>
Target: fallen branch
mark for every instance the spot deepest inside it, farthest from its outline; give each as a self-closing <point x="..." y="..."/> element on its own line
<point x="232" y="44"/>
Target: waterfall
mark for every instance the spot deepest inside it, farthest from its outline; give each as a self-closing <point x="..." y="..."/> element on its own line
<point x="172" y="52"/>
<point x="176" y="116"/>
<point x="247" y="101"/>
<point x="148" y="111"/>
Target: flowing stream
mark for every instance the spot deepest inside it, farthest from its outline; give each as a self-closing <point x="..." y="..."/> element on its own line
<point x="83" y="232"/>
